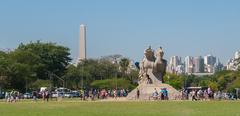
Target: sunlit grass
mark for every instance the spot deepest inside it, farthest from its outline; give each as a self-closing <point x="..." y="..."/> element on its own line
<point x="120" y="108"/>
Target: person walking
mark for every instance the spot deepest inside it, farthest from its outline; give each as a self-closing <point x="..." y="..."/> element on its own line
<point x="34" y="96"/>
<point x="115" y="93"/>
<point x="44" y="95"/>
<point x="138" y="93"/>
<point x="47" y="95"/>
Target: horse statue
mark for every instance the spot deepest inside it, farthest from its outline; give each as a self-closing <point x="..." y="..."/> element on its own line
<point x="152" y="66"/>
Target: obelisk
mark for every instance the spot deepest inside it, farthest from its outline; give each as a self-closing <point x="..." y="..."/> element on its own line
<point x="82" y="50"/>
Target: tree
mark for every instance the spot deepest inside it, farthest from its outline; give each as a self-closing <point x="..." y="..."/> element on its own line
<point x="174" y="80"/>
<point x="90" y="70"/>
<point x="52" y="58"/>
<point x="213" y="86"/>
<point x="32" y="62"/>
<point x="233" y="85"/>
<point x="4" y="64"/>
<point x="94" y="69"/>
<point x="24" y="67"/>
<point x="124" y="63"/>
<point x="73" y="77"/>
<point x="133" y="76"/>
<point x="110" y="84"/>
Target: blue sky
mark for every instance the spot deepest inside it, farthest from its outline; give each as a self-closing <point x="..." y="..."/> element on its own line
<point x="127" y="27"/>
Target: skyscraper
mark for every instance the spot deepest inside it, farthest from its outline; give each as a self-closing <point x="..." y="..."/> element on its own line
<point x="233" y="62"/>
<point x="173" y="63"/>
<point x="209" y="62"/>
<point x="189" y="65"/>
<point x="82" y="50"/>
<point x="198" y="64"/>
<point x="237" y="55"/>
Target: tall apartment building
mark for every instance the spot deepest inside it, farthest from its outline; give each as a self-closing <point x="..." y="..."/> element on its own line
<point x="189" y="66"/>
<point x="198" y="64"/>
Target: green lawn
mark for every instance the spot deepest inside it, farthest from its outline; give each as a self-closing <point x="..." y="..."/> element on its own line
<point x="150" y="108"/>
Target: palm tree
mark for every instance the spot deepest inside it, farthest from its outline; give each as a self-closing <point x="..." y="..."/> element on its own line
<point x="124" y="63"/>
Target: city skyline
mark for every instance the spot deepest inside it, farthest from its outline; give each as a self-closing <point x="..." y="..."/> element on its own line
<point x="207" y="64"/>
<point x="182" y="28"/>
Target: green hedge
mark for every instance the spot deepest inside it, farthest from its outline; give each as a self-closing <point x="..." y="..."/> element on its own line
<point x="112" y="83"/>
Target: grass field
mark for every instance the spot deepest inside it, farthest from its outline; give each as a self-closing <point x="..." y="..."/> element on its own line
<point x="123" y="108"/>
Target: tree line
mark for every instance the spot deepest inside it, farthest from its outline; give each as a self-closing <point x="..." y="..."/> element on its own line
<point x="225" y="80"/>
<point x="38" y="64"/>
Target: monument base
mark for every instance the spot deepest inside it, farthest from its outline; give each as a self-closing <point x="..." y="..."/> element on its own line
<point x="146" y="91"/>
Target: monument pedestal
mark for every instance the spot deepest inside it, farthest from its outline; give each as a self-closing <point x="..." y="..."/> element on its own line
<point x="146" y="91"/>
<point x="152" y="69"/>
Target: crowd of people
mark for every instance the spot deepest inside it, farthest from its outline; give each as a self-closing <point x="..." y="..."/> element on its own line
<point x="84" y="94"/>
<point x="94" y="94"/>
<point x="193" y="94"/>
<point x="15" y="96"/>
<point x="103" y="93"/>
<point x="204" y="94"/>
<point x="161" y="95"/>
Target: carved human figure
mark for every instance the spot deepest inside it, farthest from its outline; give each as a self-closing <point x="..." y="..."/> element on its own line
<point x="160" y="64"/>
<point x="156" y="64"/>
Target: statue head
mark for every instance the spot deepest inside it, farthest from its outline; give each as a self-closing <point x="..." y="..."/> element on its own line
<point x="149" y="54"/>
<point x="159" y="53"/>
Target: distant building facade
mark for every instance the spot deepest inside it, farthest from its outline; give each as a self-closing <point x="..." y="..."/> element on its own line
<point x="189" y="65"/>
<point x="211" y="64"/>
<point x="175" y="65"/>
<point x="198" y="64"/>
<point x="232" y="63"/>
<point x="206" y="65"/>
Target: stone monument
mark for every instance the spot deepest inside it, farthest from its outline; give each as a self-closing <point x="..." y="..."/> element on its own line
<point x="151" y="72"/>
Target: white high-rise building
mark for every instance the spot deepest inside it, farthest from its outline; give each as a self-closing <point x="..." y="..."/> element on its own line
<point x="82" y="50"/>
<point x="232" y="64"/>
<point x="237" y="55"/>
<point x="174" y="62"/>
<point x="198" y="64"/>
<point x="209" y="63"/>
<point x="210" y="60"/>
<point x="180" y="69"/>
<point x="189" y="64"/>
<point x="218" y="66"/>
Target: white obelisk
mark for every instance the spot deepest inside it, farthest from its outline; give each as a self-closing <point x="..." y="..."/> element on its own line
<point x="82" y="47"/>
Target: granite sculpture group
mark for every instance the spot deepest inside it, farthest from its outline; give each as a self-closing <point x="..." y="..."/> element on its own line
<point x="151" y="72"/>
<point x="152" y="65"/>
